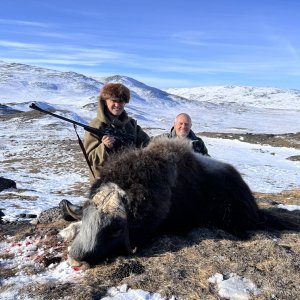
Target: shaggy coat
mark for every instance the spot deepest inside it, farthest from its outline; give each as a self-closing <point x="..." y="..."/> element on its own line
<point x="165" y="187"/>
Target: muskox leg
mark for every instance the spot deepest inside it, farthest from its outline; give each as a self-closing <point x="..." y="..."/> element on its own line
<point x="240" y="211"/>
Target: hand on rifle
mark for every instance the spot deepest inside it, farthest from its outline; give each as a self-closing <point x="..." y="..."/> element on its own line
<point x="108" y="141"/>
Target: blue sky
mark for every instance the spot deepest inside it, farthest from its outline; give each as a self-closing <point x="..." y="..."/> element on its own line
<point x="171" y="43"/>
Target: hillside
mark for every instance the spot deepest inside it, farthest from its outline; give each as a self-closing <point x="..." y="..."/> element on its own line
<point x="226" y="109"/>
<point x="264" y="97"/>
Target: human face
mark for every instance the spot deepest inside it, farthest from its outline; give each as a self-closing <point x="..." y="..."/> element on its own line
<point x="115" y="107"/>
<point x="182" y="126"/>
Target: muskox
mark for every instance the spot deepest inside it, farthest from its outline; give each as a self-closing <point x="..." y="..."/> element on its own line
<point x="163" y="188"/>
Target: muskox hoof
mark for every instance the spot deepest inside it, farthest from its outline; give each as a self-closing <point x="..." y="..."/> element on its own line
<point x="70" y="211"/>
<point x="78" y="264"/>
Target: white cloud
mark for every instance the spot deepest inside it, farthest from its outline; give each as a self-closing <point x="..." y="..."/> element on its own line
<point x="198" y="38"/>
<point x="12" y="45"/>
<point x="23" y="23"/>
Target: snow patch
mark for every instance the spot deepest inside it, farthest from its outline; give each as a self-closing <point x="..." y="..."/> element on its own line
<point x="234" y="287"/>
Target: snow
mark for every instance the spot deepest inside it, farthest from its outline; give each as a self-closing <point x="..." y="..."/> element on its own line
<point x="123" y="293"/>
<point x="273" y="98"/>
<point x="23" y="254"/>
<point x="264" y="168"/>
<point x="234" y="287"/>
<point x="289" y="207"/>
<point x="221" y="109"/>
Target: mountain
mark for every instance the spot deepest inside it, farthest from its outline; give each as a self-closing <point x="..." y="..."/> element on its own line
<point x="20" y="82"/>
<point x="223" y="108"/>
<point x="254" y="96"/>
<point x="145" y="92"/>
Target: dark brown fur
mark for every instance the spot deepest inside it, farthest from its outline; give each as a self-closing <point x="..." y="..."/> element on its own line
<point x="115" y="91"/>
<point x="169" y="188"/>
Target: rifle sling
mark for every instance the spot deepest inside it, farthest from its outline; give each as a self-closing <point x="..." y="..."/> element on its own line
<point x="84" y="152"/>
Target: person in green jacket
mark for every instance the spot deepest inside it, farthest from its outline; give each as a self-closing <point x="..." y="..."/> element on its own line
<point x="182" y="129"/>
<point x="111" y="114"/>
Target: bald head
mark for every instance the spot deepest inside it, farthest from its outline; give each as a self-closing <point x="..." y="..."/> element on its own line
<point x="183" y="125"/>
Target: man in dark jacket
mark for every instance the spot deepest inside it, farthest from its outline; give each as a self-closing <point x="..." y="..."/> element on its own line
<point x="182" y="129"/>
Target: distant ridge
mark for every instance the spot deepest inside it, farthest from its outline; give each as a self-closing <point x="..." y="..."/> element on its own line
<point x="21" y="82"/>
<point x="30" y="83"/>
<point x="144" y="91"/>
<point x="255" y="96"/>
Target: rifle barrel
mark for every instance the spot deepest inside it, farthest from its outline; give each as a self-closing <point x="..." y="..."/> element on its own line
<point x="34" y="106"/>
<point x="100" y="133"/>
<point x="93" y="130"/>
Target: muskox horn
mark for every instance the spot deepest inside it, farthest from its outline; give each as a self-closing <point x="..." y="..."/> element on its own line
<point x="127" y="243"/>
<point x="70" y="210"/>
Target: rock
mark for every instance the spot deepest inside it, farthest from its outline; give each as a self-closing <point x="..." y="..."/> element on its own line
<point x="26" y="216"/>
<point x="6" y="184"/>
<point x="1" y="215"/>
<point x="50" y="215"/>
<point x="60" y="213"/>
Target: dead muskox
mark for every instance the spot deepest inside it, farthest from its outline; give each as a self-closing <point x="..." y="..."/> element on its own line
<point x="163" y="188"/>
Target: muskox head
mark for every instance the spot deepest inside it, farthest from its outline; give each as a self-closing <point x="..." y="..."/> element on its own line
<point x="104" y="231"/>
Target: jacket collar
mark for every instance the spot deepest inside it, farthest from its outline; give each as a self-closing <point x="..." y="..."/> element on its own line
<point x="190" y="136"/>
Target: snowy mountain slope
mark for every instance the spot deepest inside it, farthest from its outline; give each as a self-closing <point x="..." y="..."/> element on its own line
<point x="19" y="82"/>
<point x="227" y="109"/>
<point x="255" y="96"/>
<point x="143" y="92"/>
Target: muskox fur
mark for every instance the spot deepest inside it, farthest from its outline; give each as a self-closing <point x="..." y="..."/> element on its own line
<point x="163" y="188"/>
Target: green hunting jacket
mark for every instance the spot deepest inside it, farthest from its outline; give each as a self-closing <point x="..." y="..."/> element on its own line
<point x="96" y="151"/>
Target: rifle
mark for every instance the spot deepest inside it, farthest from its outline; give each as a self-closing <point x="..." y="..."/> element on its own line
<point x="122" y="138"/>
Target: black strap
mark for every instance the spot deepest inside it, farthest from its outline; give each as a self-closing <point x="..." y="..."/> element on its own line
<point x="135" y="132"/>
<point x="84" y="152"/>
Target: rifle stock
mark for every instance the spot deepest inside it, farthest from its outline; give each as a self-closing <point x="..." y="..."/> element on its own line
<point x="124" y="138"/>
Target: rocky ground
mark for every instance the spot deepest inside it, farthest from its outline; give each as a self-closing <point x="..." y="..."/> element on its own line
<point x="177" y="265"/>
